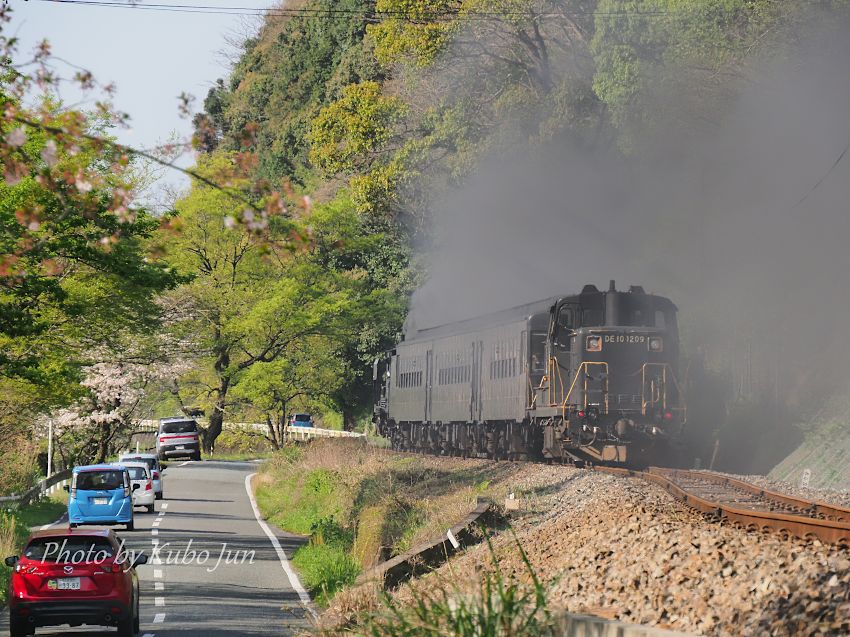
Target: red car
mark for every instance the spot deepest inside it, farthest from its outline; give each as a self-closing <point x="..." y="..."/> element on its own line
<point x="74" y="577"/>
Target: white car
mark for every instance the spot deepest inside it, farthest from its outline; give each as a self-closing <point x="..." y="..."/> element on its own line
<point x="141" y="484"/>
<point x="152" y="461"/>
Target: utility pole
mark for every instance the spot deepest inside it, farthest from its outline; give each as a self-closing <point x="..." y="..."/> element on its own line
<point x="50" y="447"/>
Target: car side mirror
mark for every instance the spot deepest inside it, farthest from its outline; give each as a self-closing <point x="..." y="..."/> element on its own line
<point x="67" y="488"/>
<point x="11" y="561"/>
<point x="136" y="486"/>
<point x="141" y="558"/>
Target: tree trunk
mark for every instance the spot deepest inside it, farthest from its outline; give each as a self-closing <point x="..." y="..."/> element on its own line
<point x="222" y="363"/>
<point x="272" y="436"/>
<point x="348" y="418"/>
<point x="214" y="430"/>
<point x="102" y="444"/>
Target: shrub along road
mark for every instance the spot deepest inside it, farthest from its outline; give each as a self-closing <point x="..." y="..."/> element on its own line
<point x="215" y="570"/>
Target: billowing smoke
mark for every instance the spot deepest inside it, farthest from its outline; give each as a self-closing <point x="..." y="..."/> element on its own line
<point x="745" y="225"/>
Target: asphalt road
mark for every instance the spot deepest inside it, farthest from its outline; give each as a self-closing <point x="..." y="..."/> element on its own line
<point x="245" y="585"/>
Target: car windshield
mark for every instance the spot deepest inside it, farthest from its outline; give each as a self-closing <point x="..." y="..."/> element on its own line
<point x="137" y="473"/>
<point x="69" y="549"/>
<point x="151" y="462"/>
<point x="179" y="428"/>
<point x="100" y="480"/>
<point x="302" y="418"/>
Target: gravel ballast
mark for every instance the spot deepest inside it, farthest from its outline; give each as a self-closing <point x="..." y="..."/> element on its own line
<point x="624" y="549"/>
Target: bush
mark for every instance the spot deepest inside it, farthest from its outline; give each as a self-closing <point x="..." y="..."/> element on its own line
<point x="238" y="441"/>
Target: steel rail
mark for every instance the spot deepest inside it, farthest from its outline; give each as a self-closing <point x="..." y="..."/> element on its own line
<point x="828" y="523"/>
<point x="812" y="508"/>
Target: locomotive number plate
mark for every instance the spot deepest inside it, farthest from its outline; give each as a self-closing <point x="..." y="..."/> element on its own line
<point x="625" y="338"/>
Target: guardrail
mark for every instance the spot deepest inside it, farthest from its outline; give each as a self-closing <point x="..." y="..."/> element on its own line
<point x="305" y="433"/>
<point x="45" y="486"/>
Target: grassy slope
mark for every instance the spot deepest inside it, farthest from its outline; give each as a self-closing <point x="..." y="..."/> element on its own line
<point x="825" y="451"/>
<point x="361" y="505"/>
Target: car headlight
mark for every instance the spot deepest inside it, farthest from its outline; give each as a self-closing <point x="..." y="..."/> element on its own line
<point x="656" y="344"/>
<point x="594" y="343"/>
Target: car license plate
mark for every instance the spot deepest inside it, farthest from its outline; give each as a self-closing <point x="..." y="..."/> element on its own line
<point x="181" y="446"/>
<point x="101" y="500"/>
<point x="68" y="584"/>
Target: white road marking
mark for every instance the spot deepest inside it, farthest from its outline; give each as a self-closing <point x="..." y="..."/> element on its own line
<point x="159" y="618"/>
<point x="284" y="562"/>
<point x="149" y="635"/>
<point x="157" y="561"/>
<point x="157" y="573"/>
<point x="163" y="506"/>
<point x="154" y="531"/>
<point x="183" y="464"/>
<point x="56" y="523"/>
<point x="159" y="601"/>
<point x="158" y="586"/>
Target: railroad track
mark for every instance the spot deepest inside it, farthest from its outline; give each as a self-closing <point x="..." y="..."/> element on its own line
<point x="743" y="503"/>
<point x="749" y="505"/>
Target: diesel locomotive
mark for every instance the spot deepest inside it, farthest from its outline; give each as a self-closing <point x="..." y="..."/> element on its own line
<point x="591" y="377"/>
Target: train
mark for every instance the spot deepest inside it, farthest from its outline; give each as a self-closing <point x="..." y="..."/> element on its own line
<point x="584" y="378"/>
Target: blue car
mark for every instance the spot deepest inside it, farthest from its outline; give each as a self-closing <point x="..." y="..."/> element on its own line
<point x="100" y="494"/>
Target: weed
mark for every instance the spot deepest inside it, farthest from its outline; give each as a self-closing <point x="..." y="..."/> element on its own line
<point x="499" y="607"/>
<point x="325" y="563"/>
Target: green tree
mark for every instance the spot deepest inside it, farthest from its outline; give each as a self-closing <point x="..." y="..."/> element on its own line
<point x="254" y="298"/>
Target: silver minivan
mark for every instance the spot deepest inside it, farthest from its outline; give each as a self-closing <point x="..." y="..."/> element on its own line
<point x="178" y="438"/>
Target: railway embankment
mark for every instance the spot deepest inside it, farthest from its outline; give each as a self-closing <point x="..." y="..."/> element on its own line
<point x="578" y="541"/>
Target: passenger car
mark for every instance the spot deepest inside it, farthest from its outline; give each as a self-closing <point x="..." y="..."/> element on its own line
<point x="74" y="577"/>
<point x="152" y="461"/>
<point x="588" y="377"/>
<point x="178" y="437"/>
<point x="301" y="420"/>
<point x="100" y="494"/>
<point x="141" y="484"/>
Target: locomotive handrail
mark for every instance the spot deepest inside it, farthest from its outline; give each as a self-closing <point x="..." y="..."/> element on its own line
<point x="664" y="367"/>
<point x="582" y="368"/>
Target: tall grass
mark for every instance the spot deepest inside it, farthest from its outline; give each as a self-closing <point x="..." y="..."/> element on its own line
<point x="12" y="534"/>
<point x="15" y="527"/>
<point x="497" y="607"/>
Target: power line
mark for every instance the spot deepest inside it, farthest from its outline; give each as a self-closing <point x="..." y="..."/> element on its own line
<point x="306" y="12"/>
<point x="826" y="175"/>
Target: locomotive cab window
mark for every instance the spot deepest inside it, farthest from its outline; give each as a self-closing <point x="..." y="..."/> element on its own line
<point x="564" y="328"/>
<point x="591" y="317"/>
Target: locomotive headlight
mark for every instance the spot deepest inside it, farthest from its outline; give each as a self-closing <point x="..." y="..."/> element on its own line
<point x="594" y="343"/>
<point x="656" y="344"/>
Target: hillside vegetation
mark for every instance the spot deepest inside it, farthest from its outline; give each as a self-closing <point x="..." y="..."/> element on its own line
<point x="272" y="285"/>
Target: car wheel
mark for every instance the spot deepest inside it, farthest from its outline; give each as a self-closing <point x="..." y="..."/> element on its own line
<point x="131" y="525"/>
<point x="18" y="628"/>
<point x="150" y="508"/>
<point x="126" y="627"/>
<point x="136" y="627"/>
<point x="197" y="456"/>
<point x="73" y="525"/>
<point x="158" y="496"/>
